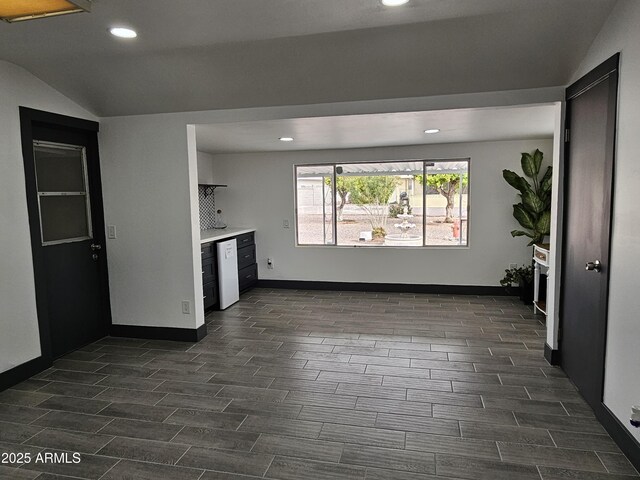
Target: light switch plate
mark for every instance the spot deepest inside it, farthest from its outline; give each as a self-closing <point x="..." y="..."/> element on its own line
<point x="186" y="307"/>
<point x="111" y="231"/>
<point x="285" y="224"/>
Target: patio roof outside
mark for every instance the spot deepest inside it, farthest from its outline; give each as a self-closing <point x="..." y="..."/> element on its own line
<point x="411" y="167"/>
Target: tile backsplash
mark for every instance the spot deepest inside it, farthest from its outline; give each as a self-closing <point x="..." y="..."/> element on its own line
<point x="207" y="200"/>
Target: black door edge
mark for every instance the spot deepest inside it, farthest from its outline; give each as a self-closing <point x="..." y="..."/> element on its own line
<point x="30" y="117"/>
<point x="607" y="69"/>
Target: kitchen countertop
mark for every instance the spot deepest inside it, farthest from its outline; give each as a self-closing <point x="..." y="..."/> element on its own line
<point x="214" y="234"/>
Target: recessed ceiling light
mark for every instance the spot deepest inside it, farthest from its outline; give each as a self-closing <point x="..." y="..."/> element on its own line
<point x="123" y="32"/>
<point x="286" y="139"/>
<point x="394" y="3"/>
<point x="432" y="130"/>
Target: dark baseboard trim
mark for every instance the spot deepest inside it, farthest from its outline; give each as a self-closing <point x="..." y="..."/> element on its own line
<point x="627" y="443"/>
<point x="160" y="333"/>
<point x="385" y="287"/>
<point x="22" y="372"/>
<point x="552" y="356"/>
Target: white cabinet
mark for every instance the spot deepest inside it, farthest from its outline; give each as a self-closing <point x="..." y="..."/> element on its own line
<point x="228" y="286"/>
<point x="540" y="262"/>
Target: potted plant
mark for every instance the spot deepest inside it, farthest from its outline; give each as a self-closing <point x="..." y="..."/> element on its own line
<point x="533" y="212"/>
<point x="523" y="277"/>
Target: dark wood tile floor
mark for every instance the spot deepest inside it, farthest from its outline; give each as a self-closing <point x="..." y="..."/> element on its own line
<point x="317" y="385"/>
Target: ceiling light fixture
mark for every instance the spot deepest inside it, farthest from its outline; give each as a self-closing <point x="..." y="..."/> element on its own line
<point x="21" y="10"/>
<point x="431" y="131"/>
<point x="394" y="3"/>
<point x="286" y="139"/>
<point x="122" y="32"/>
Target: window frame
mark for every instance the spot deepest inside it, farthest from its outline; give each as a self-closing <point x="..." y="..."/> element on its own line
<point x="86" y="194"/>
<point x="425" y="162"/>
<point x="334" y="220"/>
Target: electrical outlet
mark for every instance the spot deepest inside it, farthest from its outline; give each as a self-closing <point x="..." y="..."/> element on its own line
<point x="186" y="307"/>
<point x="513" y="265"/>
<point x="285" y="223"/>
<point x="111" y="231"/>
<point x="270" y="263"/>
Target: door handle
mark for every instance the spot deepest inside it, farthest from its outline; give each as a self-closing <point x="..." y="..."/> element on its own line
<point x="594" y="266"/>
<point x="95" y="247"/>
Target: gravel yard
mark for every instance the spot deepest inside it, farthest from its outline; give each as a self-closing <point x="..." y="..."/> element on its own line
<point x="310" y="230"/>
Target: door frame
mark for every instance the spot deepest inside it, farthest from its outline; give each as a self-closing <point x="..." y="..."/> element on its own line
<point x="28" y="118"/>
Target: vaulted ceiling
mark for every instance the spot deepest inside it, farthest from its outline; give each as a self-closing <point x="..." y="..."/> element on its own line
<point x="221" y="54"/>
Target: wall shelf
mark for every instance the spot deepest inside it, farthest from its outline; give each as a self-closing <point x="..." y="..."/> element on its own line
<point x="210" y="187"/>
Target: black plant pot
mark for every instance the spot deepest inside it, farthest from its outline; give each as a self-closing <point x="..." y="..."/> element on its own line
<point x="526" y="292"/>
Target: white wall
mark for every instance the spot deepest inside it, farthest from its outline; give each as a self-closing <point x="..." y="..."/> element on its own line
<point x="622" y="389"/>
<point x="19" y="339"/>
<point x="261" y="195"/>
<point x="195" y="161"/>
<point x="205" y="167"/>
<point x="555" y="254"/>
<point x="147" y="180"/>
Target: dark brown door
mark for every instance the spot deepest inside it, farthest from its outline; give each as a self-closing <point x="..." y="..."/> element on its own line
<point x="67" y="232"/>
<point x="589" y="161"/>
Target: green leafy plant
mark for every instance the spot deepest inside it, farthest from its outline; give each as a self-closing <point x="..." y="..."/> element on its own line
<point x="518" y="276"/>
<point x="378" y="232"/>
<point x="534" y="210"/>
<point x="447" y="185"/>
<point x="344" y="186"/>
<point x="395" y="209"/>
<point x="371" y="194"/>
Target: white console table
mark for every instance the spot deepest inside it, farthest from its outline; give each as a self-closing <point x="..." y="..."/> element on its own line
<point x="540" y="261"/>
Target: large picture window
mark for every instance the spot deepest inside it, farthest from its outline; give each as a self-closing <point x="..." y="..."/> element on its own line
<point x="413" y="203"/>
